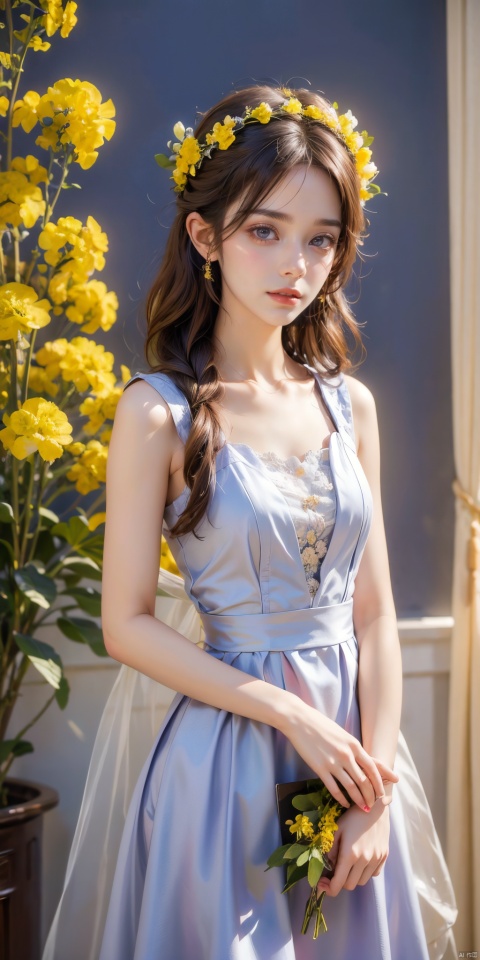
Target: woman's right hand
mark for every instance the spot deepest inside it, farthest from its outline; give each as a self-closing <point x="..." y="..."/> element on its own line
<point x="332" y="752"/>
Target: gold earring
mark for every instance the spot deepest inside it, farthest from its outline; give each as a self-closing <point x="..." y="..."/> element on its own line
<point x="207" y="269"/>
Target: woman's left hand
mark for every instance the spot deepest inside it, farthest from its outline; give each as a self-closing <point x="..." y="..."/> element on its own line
<point x="360" y="848"/>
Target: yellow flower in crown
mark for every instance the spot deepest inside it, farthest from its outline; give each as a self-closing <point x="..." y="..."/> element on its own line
<point x="39" y="425"/>
<point x="292" y="105"/>
<point x="21" y="311"/>
<point x="262" y="113"/>
<point x="188" y="153"/>
<point x="222" y="133"/>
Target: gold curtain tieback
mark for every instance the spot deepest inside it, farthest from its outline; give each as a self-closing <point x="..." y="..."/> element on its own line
<point x="473" y="560"/>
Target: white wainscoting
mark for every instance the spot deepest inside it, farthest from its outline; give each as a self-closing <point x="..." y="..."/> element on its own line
<point x="63" y="739"/>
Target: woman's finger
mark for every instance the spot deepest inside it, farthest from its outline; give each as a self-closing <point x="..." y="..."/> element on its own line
<point x="331" y="785"/>
<point x="353" y="790"/>
<point x="369" y="766"/>
<point x="386" y="772"/>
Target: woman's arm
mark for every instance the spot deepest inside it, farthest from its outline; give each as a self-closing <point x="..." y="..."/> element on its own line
<point x="139" y="462"/>
<point x="380" y="661"/>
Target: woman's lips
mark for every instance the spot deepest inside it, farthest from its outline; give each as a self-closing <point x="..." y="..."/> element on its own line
<point x="284" y="298"/>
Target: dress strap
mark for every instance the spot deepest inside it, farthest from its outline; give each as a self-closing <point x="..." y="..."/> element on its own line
<point x="337" y="398"/>
<point x="173" y="396"/>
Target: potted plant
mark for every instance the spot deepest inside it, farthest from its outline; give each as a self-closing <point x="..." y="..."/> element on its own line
<point x="57" y="403"/>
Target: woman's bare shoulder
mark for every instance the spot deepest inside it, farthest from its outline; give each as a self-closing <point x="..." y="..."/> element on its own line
<point x="364" y="409"/>
<point x="144" y="404"/>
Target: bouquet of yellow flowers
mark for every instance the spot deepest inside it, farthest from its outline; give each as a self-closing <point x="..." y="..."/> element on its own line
<point x="314" y="828"/>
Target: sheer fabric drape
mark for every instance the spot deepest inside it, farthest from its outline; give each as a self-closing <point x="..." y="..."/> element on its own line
<point x="463" y="778"/>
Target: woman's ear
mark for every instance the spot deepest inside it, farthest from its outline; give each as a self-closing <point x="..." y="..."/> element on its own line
<point x="201" y="235"/>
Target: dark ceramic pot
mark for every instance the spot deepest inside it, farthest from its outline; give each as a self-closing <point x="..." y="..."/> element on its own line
<point x="21" y="825"/>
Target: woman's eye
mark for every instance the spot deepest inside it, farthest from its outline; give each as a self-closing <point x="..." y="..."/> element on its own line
<point x="325" y="236"/>
<point x="261" y="233"/>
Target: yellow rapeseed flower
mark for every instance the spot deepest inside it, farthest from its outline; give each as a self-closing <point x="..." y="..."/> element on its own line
<point x="99" y="409"/>
<point x="37" y="44"/>
<point x="31" y="168"/>
<point x="90" y="469"/>
<point x="5" y="60"/>
<point x="69" y="19"/>
<point x="96" y="519"/>
<point x="40" y="382"/>
<point x="39" y="425"/>
<point x="4" y="105"/>
<point x="80" y="246"/>
<point x="75" y="115"/>
<point x="80" y="361"/>
<point x="25" y="111"/>
<point x="92" y="306"/>
<point x="20" y="200"/>
<point x="57" y="18"/>
<point x="21" y="311"/>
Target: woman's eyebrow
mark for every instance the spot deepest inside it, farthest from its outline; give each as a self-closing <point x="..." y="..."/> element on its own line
<point x="277" y="215"/>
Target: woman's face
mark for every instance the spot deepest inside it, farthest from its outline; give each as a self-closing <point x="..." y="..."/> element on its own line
<point x="288" y="244"/>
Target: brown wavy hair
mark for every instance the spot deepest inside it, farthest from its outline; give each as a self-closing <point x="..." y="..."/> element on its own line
<point x="182" y="307"/>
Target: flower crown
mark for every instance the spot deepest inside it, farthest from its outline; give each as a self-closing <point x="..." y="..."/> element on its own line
<point x="188" y="153"/>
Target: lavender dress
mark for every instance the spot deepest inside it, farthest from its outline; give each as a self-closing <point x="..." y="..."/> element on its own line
<point x="273" y="582"/>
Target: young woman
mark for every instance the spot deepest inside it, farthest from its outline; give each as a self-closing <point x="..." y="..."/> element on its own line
<point x="257" y="454"/>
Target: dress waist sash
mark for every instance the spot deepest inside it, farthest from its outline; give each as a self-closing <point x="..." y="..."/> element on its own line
<point x="285" y="630"/>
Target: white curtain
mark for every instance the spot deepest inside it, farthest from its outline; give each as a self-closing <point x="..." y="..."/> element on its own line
<point x="463" y="776"/>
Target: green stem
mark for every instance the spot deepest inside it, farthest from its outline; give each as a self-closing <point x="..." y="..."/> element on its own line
<point x="13" y="374"/>
<point x="18" y="74"/>
<point x="51" y="206"/>
<point x="41" y="481"/>
<point x="16" y="509"/>
<point x="26" y="371"/>
<point x="27" y="512"/>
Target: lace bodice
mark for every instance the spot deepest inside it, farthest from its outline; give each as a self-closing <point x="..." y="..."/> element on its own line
<point x="310" y="493"/>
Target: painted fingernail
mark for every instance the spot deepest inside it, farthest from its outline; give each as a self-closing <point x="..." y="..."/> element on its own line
<point x="367" y="809"/>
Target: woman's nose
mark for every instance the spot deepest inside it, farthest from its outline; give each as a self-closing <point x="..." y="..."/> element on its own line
<point x="294" y="264"/>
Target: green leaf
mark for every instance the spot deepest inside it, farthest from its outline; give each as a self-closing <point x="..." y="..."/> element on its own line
<point x="93" y="548"/>
<point x="303" y="858"/>
<point x="17" y="747"/>
<point x="294" y="851"/>
<point x="308" y="801"/>
<point x="314" y="871"/>
<point x="276" y="859"/>
<point x="294" y="874"/>
<point x="9" y="547"/>
<point x="42" y="656"/>
<point x="74" y="531"/>
<point x="48" y="515"/>
<point x="6" y="513"/>
<point x="38" y="587"/>
<point x="80" y="567"/>
<point x="164" y="161"/>
<point x="81" y="630"/>
<point x="63" y="693"/>
<point x="88" y="599"/>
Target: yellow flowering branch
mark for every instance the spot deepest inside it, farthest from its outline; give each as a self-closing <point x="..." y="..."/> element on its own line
<point x="44" y="554"/>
